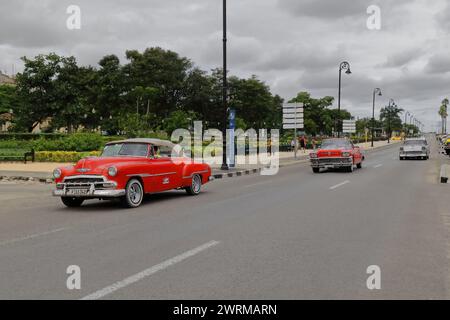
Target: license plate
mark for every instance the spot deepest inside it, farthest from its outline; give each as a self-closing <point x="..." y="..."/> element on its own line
<point x="77" y="192"/>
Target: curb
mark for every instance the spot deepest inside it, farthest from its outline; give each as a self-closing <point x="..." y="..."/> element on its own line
<point x="443" y="174"/>
<point x="238" y="173"/>
<point x="26" y="179"/>
<point x="291" y="163"/>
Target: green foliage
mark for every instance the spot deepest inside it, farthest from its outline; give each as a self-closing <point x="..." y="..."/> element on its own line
<point x="318" y="117"/>
<point x="75" y="142"/>
<point x="63" y="156"/>
<point x="8" y="98"/>
<point x="179" y="119"/>
<point x="390" y="118"/>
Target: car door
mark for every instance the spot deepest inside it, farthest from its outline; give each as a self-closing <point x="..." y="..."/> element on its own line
<point x="166" y="174"/>
<point x="357" y="155"/>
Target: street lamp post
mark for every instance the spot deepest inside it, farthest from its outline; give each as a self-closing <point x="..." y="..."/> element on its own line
<point x="391" y="103"/>
<point x="375" y="92"/>
<point x="225" y="89"/>
<point x="343" y="66"/>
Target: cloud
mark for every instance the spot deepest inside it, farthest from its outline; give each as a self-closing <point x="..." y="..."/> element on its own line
<point x="293" y="45"/>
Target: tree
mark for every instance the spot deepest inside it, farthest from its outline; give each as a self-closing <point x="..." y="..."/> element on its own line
<point x="72" y="108"/>
<point x="254" y="103"/>
<point x="163" y="70"/>
<point x="177" y="120"/>
<point x="36" y="90"/>
<point x="444" y="114"/>
<point x="318" y="118"/>
<point x="390" y="118"/>
<point x="8" y="98"/>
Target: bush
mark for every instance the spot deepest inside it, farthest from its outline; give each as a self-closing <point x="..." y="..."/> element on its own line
<point x="63" y="156"/>
<point x="30" y="136"/>
<point x="76" y="142"/>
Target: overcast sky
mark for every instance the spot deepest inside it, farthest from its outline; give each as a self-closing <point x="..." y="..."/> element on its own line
<point x="292" y="45"/>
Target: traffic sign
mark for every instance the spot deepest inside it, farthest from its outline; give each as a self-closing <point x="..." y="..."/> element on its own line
<point x="293" y="116"/>
<point x="349" y="126"/>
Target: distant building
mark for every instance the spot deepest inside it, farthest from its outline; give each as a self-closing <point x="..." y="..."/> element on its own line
<point x="5" y="121"/>
<point x="5" y="79"/>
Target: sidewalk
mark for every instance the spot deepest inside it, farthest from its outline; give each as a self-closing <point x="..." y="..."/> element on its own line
<point x="42" y="171"/>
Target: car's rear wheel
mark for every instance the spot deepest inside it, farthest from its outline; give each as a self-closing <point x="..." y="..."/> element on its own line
<point x="134" y="194"/>
<point x="316" y="170"/>
<point x="196" y="185"/>
<point x="72" y="202"/>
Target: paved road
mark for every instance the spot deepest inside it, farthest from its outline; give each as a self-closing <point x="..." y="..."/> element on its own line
<point x="295" y="235"/>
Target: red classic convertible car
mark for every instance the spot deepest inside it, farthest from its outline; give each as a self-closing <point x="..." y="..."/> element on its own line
<point x="128" y="170"/>
<point x="336" y="153"/>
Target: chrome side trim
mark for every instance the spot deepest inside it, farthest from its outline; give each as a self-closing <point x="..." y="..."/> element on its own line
<point x="196" y="172"/>
<point x="146" y="175"/>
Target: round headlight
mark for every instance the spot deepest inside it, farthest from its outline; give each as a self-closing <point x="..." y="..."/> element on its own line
<point x="313" y="155"/>
<point x="112" y="171"/>
<point x="57" y="173"/>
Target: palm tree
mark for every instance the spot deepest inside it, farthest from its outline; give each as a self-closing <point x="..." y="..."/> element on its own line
<point x="444" y="114"/>
<point x="390" y="117"/>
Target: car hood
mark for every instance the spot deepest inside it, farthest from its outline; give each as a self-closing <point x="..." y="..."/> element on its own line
<point x="412" y="148"/>
<point x="96" y="165"/>
<point x="331" y="152"/>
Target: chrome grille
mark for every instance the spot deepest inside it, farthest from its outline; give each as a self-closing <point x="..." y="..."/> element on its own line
<point x="331" y="160"/>
<point x="84" y="179"/>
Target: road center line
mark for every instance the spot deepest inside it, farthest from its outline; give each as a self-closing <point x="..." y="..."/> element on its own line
<point x="378" y="166"/>
<point x="339" y="185"/>
<point x="148" y="272"/>
<point x="31" y="236"/>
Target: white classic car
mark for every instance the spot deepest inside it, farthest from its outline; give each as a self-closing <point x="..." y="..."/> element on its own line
<point x="415" y="149"/>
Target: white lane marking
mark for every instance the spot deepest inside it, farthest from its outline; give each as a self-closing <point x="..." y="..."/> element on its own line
<point x="31" y="236"/>
<point x="148" y="272"/>
<point x="378" y="166"/>
<point x="339" y="185"/>
<point x="256" y="184"/>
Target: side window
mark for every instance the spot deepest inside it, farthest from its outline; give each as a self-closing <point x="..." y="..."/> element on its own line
<point x="151" y="153"/>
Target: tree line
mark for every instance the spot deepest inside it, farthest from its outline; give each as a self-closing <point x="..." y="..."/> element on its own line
<point x="154" y="90"/>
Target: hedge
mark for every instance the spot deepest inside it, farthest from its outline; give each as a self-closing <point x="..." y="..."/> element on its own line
<point x="30" y="136"/>
<point x="63" y="156"/>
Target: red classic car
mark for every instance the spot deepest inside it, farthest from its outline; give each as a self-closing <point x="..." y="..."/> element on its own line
<point x="336" y="153"/>
<point x="128" y="170"/>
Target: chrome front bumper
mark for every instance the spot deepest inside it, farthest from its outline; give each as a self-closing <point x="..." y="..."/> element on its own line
<point x="413" y="154"/>
<point x="331" y="162"/>
<point x="88" y="187"/>
<point x="91" y="194"/>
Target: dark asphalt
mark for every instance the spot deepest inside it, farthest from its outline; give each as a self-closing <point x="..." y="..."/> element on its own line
<point x="296" y="235"/>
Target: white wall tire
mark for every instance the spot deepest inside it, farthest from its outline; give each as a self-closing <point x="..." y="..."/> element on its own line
<point x="196" y="185"/>
<point x="134" y="194"/>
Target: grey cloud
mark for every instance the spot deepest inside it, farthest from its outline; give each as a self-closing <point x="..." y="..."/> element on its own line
<point x="438" y="63"/>
<point x="293" y="45"/>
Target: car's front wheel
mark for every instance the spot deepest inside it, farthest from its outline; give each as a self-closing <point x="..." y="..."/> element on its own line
<point x="196" y="185"/>
<point x="134" y="194"/>
<point x="359" y="165"/>
<point x="72" y="202"/>
<point x="350" y="168"/>
<point x="316" y="170"/>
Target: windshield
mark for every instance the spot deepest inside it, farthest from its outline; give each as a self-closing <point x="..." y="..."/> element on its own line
<point x="125" y="149"/>
<point x="336" y="144"/>
<point x="415" y="142"/>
